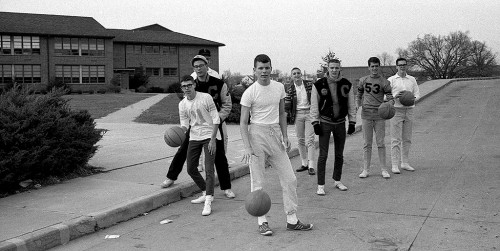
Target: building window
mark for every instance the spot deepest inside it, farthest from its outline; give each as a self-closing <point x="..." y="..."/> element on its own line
<point x="6" y="46"/>
<point x="93" y="74"/>
<point x="137" y="49"/>
<point x="153" y="71"/>
<point x="169" y="72"/>
<point x="20" y="73"/>
<point x="79" y="46"/>
<point x="168" y="49"/>
<point x="69" y="74"/>
<point x="5" y="74"/>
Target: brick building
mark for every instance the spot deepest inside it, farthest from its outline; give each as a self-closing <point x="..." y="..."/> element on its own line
<point x="36" y="49"/>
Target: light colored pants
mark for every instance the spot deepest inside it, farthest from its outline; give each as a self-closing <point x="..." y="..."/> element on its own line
<point x="305" y="135"/>
<point x="369" y="126"/>
<point x="401" y="130"/>
<point x="267" y="144"/>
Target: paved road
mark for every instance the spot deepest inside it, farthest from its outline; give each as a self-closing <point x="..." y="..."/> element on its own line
<point x="451" y="202"/>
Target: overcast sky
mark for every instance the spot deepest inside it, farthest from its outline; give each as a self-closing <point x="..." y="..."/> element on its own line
<point x="291" y="32"/>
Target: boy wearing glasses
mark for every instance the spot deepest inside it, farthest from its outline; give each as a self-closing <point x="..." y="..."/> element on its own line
<point x="402" y="122"/>
<point x="219" y="92"/>
<point x="297" y="106"/>
<point x="197" y="111"/>
<point x="370" y="95"/>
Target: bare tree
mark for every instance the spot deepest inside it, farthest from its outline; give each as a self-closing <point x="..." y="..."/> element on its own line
<point x="481" y="61"/>
<point x="324" y="64"/>
<point x="385" y="59"/>
<point x="446" y="56"/>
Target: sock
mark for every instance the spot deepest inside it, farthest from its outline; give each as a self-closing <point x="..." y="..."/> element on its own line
<point x="292" y="218"/>
<point x="304" y="162"/>
<point x="312" y="163"/>
<point x="261" y="219"/>
<point x="321" y="186"/>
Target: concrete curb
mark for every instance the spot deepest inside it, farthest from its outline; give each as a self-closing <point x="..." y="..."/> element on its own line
<point x="64" y="232"/>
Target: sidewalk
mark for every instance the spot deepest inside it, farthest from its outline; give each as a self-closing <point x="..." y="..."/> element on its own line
<point x="136" y="160"/>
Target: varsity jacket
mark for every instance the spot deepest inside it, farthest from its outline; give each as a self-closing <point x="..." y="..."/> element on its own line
<point x="291" y="100"/>
<point x="219" y="92"/>
<point x="322" y="108"/>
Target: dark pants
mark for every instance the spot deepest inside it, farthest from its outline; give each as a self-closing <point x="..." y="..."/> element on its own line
<point x="339" y="136"/>
<point x="193" y="159"/>
<point x="221" y="165"/>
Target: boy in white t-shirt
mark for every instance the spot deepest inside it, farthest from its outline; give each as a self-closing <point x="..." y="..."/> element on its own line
<point x="198" y="111"/>
<point x="266" y="139"/>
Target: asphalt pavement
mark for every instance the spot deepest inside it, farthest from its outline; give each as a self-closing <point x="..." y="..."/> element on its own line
<point x="136" y="159"/>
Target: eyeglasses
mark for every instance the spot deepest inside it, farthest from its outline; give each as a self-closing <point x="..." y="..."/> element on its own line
<point x="186" y="86"/>
<point x="402" y="65"/>
<point x="198" y="66"/>
<point x="296" y="73"/>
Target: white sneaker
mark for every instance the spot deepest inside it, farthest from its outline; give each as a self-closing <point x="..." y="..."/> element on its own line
<point x="363" y="174"/>
<point x="385" y="174"/>
<point x="321" y="190"/>
<point x="407" y="167"/>
<point x="395" y="169"/>
<point x="207" y="209"/>
<point x="201" y="168"/>
<point x="201" y="199"/>
<point x="229" y="193"/>
<point x="166" y="183"/>
<point x="340" y="186"/>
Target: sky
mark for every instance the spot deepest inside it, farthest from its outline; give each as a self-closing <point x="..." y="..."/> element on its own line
<point x="294" y="33"/>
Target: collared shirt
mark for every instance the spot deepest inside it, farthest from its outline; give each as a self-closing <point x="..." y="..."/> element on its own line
<point x="302" y="101"/>
<point x="406" y="83"/>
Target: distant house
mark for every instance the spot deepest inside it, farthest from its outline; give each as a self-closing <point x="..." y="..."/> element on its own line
<point x="36" y="49"/>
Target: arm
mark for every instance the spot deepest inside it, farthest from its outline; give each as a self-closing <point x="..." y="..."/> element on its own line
<point x="388" y="91"/>
<point x="227" y="105"/>
<point x="360" y="92"/>
<point x="283" y="124"/>
<point x="288" y="99"/>
<point x="216" y="121"/>
<point x="351" y="107"/>
<point x="314" y="112"/>
<point x="183" y="117"/>
<point x="245" y="113"/>
<point x="416" y="90"/>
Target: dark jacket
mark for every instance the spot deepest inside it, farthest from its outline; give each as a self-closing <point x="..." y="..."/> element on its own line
<point x="291" y="99"/>
<point x="325" y="102"/>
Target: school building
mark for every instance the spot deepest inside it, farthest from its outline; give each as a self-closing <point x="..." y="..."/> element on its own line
<point x="36" y="49"/>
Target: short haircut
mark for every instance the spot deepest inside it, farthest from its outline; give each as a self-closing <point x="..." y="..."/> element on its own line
<point x="333" y="60"/>
<point x="400" y="59"/>
<point x="374" y="60"/>
<point x="263" y="58"/>
<point x="186" y="78"/>
<point x="295" y="68"/>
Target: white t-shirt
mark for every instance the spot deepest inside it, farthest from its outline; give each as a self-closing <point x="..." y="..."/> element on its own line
<point x="201" y="114"/>
<point x="264" y="102"/>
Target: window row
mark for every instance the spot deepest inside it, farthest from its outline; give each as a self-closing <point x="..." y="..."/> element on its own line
<point x="151" y="49"/>
<point x="167" y="72"/>
<point x="19" y="45"/>
<point x="20" y="73"/>
<point x="78" y="46"/>
<point x="76" y="74"/>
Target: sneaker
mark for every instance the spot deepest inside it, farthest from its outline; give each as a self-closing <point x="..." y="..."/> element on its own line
<point x="363" y="174"/>
<point x="265" y="230"/>
<point x="229" y="193"/>
<point x="166" y="183"/>
<point x="395" y="169"/>
<point x="311" y="171"/>
<point x="321" y="190"/>
<point x="340" y="186"/>
<point x="301" y="169"/>
<point x="407" y="167"/>
<point x="201" y="168"/>
<point x="200" y="199"/>
<point x="299" y="226"/>
<point x="207" y="209"/>
<point x="385" y="174"/>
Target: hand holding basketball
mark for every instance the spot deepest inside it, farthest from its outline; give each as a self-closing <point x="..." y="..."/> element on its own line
<point x="174" y="136"/>
<point x="258" y="203"/>
<point x="407" y="98"/>
<point x="386" y="110"/>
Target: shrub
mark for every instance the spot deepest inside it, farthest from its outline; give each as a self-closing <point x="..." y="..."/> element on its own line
<point x="141" y="89"/>
<point x="236" y="93"/>
<point x="101" y="91"/>
<point x="57" y="84"/>
<point x="155" y="89"/>
<point x="41" y="137"/>
<point x="174" y="88"/>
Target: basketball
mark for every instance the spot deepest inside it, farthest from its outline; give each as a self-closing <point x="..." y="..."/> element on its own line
<point x="407" y="99"/>
<point x="258" y="203"/>
<point x="386" y="110"/>
<point x="174" y="136"/>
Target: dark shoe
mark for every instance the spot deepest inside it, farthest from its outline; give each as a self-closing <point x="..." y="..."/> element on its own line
<point x="301" y="169"/>
<point x="299" y="226"/>
<point x="265" y="230"/>
<point x="311" y="171"/>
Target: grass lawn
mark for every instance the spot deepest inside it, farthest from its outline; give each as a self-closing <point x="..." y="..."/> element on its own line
<point x="164" y="112"/>
<point x="100" y="105"/>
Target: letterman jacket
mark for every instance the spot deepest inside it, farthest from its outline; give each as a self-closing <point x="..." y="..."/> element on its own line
<point x="322" y="103"/>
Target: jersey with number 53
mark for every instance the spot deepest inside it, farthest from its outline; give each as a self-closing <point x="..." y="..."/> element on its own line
<point x="370" y="95"/>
